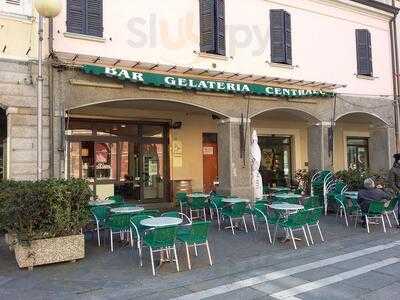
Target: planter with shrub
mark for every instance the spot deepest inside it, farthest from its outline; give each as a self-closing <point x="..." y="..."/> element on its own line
<point x="46" y="217"/>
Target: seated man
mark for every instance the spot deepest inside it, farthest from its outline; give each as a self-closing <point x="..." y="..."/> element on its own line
<point x="369" y="194"/>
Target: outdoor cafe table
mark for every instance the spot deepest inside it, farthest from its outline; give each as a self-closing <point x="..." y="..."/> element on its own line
<point x="235" y="200"/>
<point x="101" y="203"/>
<point x="287" y="208"/>
<point x="127" y="210"/>
<point x="280" y="189"/>
<point x="287" y="196"/>
<point x="198" y="195"/>
<point x="161" y="222"/>
<point x="351" y="195"/>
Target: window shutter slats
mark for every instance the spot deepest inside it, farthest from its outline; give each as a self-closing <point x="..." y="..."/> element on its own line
<point x="277" y="25"/>
<point x="364" y="52"/>
<point x="207" y="26"/>
<point x="220" y="14"/>
<point x="76" y="16"/>
<point x="288" y="38"/>
<point x="85" y="17"/>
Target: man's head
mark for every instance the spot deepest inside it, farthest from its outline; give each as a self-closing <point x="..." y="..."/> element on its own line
<point x="369" y="183"/>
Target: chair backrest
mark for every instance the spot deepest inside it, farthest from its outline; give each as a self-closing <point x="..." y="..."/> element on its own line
<point x="172" y="214"/>
<point x="217" y="201"/>
<point x="151" y="212"/>
<point x="392" y="204"/>
<point x="135" y="221"/>
<point x="314" y="215"/>
<point x="117" y="198"/>
<point x="198" y="203"/>
<point x="339" y="186"/>
<point x="239" y="208"/>
<point x="100" y="212"/>
<point x="291" y="200"/>
<point x="163" y="236"/>
<point x="199" y="232"/>
<point x="120" y="221"/>
<point x="376" y="208"/>
<point x="298" y="219"/>
<point x="311" y="202"/>
<point x="181" y="197"/>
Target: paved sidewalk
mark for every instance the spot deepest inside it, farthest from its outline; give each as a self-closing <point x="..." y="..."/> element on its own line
<point x="246" y="267"/>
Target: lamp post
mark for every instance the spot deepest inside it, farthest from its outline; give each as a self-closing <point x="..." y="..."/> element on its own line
<point x="45" y="9"/>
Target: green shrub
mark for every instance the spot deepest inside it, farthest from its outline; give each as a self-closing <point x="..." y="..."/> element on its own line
<point x="44" y="209"/>
<point x="355" y="178"/>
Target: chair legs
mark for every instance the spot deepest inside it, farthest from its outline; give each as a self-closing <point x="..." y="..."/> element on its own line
<point x="269" y="233"/>
<point x="254" y="222"/>
<point x="209" y="253"/>
<point x="188" y="256"/>
<point x="152" y="261"/>
<point x="98" y="233"/>
<point x="111" y="240"/>
<point x="244" y="223"/>
<point x="383" y="224"/>
<point x="367" y="223"/>
<point x="395" y="217"/>
<point x="292" y="236"/>
<point x="309" y="232"/>
<point x="305" y="236"/>
<point x="382" y="218"/>
<point x="233" y="229"/>
<point x="176" y="258"/>
<point x="194" y="245"/>
<point x="139" y="245"/>
<point x="388" y="219"/>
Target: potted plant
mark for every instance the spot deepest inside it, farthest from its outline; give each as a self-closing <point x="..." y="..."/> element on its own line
<point x="46" y="218"/>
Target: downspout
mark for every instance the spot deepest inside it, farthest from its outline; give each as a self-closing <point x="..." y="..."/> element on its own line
<point x="51" y="100"/>
<point x="395" y="93"/>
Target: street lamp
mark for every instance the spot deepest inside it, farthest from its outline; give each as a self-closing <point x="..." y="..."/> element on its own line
<point x="45" y="9"/>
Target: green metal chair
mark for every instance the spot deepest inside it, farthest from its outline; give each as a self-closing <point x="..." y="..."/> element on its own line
<point x="196" y="236"/>
<point x="118" y="199"/>
<point x="311" y="202"/>
<point x="198" y="204"/>
<point x="390" y="209"/>
<point x="100" y="215"/>
<point x="312" y="220"/>
<point x="183" y="200"/>
<point x="236" y="211"/>
<point x="151" y="212"/>
<point x="344" y="208"/>
<point x="260" y="214"/>
<point x="119" y="224"/>
<point x="138" y="232"/>
<point x="217" y="205"/>
<point x="159" y="240"/>
<point x="376" y="210"/>
<point x="296" y="221"/>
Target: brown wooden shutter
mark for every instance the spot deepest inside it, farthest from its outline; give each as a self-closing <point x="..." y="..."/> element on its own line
<point x="288" y="38"/>
<point x="76" y="16"/>
<point x="364" y="52"/>
<point x="277" y="25"/>
<point x="207" y="26"/>
<point x="94" y="18"/>
<point x="220" y="24"/>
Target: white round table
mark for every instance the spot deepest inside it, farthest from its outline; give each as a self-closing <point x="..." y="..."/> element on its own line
<point x="286" y="196"/>
<point x="127" y="210"/>
<point x="235" y="200"/>
<point x="161" y="222"/>
<point x="199" y="195"/>
<point x="101" y="203"/>
<point x="286" y="206"/>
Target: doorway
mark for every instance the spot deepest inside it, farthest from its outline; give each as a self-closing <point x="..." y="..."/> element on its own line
<point x="276" y="160"/>
<point x="210" y="161"/>
<point x="121" y="158"/>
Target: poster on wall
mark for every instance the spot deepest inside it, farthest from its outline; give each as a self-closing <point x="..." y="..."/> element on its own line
<point x="208" y="150"/>
<point x="153" y="167"/>
<point x="177" y="154"/>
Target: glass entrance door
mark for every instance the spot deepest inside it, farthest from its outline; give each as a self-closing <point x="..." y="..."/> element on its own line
<point x="121" y="159"/>
<point x="276" y="160"/>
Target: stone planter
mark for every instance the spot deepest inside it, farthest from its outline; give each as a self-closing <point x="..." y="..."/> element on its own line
<point x="11" y="240"/>
<point x="49" y="251"/>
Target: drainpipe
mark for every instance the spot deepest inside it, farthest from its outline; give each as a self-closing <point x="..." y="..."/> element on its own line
<point x="51" y="100"/>
<point x="396" y="79"/>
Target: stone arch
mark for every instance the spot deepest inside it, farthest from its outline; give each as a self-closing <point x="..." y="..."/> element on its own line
<point x="299" y="113"/>
<point x="376" y="119"/>
<point x="141" y="100"/>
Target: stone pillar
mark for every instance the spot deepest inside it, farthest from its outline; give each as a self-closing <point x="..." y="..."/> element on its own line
<point x="234" y="171"/>
<point x="22" y="144"/>
<point x="318" y="147"/>
<point x="380" y="149"/>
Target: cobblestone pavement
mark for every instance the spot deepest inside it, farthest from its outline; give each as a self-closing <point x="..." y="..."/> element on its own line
<point x="350" y="264"/>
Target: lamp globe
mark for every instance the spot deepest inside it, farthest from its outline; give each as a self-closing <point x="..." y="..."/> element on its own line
<point x="48" y="8"/>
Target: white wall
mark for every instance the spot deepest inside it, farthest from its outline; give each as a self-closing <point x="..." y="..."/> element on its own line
<point x="322" y="32"/>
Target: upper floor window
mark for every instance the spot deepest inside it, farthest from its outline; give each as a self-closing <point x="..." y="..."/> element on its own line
<point x="364" y="52"/>
<point x="281" y="37"/>
<point x="212" y="26"/>
<point x="85" y="17"/>
<point x="18" y="7"/>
